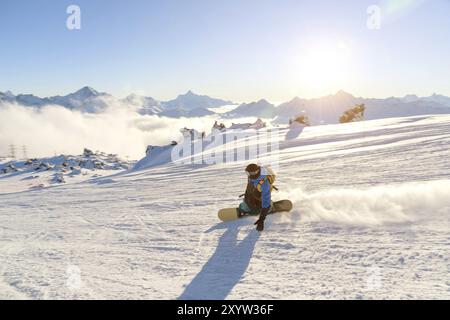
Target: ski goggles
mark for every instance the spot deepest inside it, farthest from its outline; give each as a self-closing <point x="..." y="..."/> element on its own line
<point x="252" y="173"/>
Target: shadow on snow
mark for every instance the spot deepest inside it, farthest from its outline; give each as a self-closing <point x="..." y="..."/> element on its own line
<point x="226" y="266"/>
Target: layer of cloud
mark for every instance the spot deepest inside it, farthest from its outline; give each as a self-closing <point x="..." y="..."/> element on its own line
<point x="54" y="129"/>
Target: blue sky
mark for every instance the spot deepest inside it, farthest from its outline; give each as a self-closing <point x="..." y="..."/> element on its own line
<point x="235" y="49"/>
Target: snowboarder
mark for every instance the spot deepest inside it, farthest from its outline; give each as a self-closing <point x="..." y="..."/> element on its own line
<point x="257" y="198"/>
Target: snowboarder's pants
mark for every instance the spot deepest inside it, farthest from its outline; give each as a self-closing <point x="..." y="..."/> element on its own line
<point x="243" y="207"/>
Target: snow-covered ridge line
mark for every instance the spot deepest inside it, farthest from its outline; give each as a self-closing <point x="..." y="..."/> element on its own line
<point x="160" y="155"/>
<point x="90" y="100"/>
<point x="326" y="109"/>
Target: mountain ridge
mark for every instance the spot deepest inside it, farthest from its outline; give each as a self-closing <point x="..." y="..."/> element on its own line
<point x="325" y="109"/>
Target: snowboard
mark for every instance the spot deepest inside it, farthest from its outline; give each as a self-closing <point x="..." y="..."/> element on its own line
<point x="230" y="214"/>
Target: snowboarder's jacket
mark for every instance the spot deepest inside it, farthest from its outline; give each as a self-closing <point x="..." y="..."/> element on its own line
<point x="257" y="194"/>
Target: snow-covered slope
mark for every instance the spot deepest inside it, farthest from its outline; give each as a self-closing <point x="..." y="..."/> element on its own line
<point x="370" y="220"/>
<point x="32" y="174"/>
<point x="156" y="155"/>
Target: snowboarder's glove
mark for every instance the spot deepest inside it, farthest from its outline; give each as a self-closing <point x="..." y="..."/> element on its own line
<point x="262" y="216"/>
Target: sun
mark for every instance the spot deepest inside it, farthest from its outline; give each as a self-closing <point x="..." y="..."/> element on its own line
<point x="324" y="67"/>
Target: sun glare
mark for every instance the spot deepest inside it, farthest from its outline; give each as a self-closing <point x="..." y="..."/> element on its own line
<point x="324" y="68"/>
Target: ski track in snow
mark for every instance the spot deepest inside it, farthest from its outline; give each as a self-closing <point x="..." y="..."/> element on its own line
<point x="370" y="220"/>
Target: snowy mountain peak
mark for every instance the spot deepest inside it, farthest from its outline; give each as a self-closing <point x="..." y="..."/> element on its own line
<point x="143" y="105"/>
<point x="439" y="99"/>
<point x="86" y="92"/>
<point x="85" y="99"/>
<point x="439" y="96"/>
<point x="189" y="95"/>
<point x="410" y="98"/>
<point x="296" y="100"/>
<point x="260" y="109"/>
<point x="8" y="94"/>
<point x="133" y="96"/>
<point x="344" y="94"/>
<point x="191" y="101"/>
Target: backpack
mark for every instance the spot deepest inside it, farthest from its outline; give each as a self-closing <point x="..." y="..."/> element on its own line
<point x="270" y="176"/>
